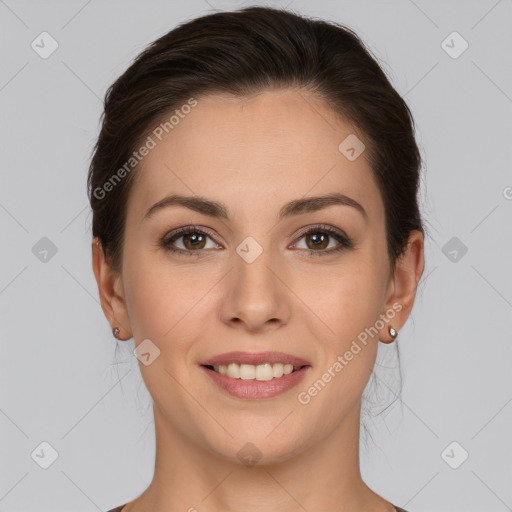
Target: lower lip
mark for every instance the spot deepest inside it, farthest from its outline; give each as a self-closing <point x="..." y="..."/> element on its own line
<point x="256" y="389"/>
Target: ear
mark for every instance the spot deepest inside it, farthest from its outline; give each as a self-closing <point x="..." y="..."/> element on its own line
<point x="110" y="287"/>
<point x="403" y="285"/>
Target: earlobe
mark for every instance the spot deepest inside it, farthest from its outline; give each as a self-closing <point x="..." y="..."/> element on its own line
<point x="393" y="333"/>
<point x="112" y="301"/>
<point x="408" y="272"/>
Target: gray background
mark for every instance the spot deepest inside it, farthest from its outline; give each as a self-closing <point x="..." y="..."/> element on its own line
<point x="66" y="381"/>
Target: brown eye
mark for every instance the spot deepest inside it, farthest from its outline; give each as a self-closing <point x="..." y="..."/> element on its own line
<point x="193" y="241"/>
<point x="318" y="241"/>
<point x="188" y="241"/>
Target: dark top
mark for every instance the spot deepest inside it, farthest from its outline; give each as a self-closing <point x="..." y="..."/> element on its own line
<point x="118" y="509"/>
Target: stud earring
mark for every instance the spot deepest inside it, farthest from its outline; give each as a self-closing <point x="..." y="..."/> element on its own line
<point x="115" y="332"/>
<point x="393" y="333"/>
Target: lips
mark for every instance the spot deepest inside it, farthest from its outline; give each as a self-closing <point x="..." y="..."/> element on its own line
<point x="256" y="389"/>
<point x="255" y="359"/>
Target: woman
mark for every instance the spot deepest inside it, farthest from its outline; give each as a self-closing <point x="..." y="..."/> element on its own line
<point x="257" y="232"/>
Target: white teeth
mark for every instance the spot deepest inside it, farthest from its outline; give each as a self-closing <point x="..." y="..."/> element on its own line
<point x="277" y="370"/>
<point x="247" y="372"/>
<point x="264" y="372"/>
<point x="260" y="372"/>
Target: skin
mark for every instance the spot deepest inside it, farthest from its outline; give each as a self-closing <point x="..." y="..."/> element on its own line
<point x="254" y="155"/>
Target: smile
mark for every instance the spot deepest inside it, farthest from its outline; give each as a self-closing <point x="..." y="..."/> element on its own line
<point x="260" y="372"/>
<point x="256" y="385"/>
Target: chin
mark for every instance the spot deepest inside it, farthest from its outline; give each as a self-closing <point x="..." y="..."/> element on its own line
<point x="257" y="447"/>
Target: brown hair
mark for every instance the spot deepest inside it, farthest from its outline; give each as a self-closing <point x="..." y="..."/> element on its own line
<point x="241" y="53"/>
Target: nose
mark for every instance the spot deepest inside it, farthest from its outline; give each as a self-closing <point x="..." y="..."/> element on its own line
<point x="256" y="297"/>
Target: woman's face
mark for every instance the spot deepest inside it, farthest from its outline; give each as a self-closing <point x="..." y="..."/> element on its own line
<point x="252" y="281"/>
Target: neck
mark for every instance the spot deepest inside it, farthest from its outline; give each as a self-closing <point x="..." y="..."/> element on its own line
<point x="326" y="475"/>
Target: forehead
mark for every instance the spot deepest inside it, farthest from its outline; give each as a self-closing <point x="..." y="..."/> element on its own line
<point x="276" y="145"/>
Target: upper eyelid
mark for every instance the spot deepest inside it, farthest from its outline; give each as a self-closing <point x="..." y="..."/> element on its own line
<point x="175" y="234"/>
<point x="321" y="227"/>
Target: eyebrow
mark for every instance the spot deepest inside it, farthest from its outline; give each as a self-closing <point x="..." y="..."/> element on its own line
<point x="216" y="209"/>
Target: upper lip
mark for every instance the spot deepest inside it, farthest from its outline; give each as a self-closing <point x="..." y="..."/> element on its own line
<point x="255" y="358"/>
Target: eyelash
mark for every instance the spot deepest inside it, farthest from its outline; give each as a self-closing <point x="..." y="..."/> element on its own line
<point x="344" y="241"/>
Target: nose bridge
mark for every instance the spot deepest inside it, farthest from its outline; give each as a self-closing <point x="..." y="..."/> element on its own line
<point x="257" y="296"/>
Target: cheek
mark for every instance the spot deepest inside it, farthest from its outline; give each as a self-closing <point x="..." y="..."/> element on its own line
<point x="347" y="357"/>
<point x="348" y="298"/>
<point x="351" y="305"/>
<point x="162" y="297"/>
<point x="153" y="296"/>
